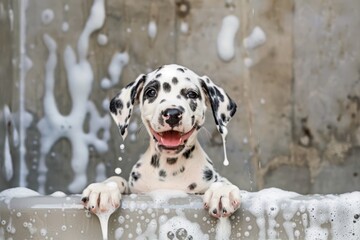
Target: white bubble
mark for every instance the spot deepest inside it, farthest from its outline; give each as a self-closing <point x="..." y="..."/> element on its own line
<point x="122" y="146"/>
<point x="118" y="170"/>
<point x="102" y="39"/>
<point x="43" y="232"/>
<point x="63" y="228"/>
<point x="120" y="159"/>
<point x="47" y="16"/>
<point x="65" y="26"/>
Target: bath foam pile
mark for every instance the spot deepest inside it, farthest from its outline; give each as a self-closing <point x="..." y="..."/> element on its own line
<point x="267" y="214"/>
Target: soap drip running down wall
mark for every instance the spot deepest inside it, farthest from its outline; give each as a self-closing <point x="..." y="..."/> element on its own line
<point x="292" y="67"/>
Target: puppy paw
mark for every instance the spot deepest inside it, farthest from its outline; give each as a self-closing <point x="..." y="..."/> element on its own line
<point x="222" y="199"/>
<point x="101" y="197"/>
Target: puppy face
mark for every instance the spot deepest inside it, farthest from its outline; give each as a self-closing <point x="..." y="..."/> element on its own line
<point x="173" y="101"/>
<point x="173" y="107"/>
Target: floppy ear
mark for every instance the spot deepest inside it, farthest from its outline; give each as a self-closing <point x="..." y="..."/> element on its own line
<point x="121" y="106"/>
<point x="223" y="107"/>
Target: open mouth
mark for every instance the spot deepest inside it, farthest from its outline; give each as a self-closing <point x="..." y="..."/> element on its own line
<point x="171" y="139"/>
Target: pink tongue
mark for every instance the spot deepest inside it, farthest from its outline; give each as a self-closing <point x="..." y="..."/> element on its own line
<point x="171" y="139"/>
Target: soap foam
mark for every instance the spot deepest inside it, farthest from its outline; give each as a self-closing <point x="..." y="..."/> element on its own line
<point x="226" y="37"/>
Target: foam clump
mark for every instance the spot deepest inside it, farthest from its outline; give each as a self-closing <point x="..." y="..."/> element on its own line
<point x="226" y="37"/>
<point x="18" y="192"/>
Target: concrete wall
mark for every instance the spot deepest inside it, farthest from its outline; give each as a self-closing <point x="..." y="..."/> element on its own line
<point x="297" y="121"/>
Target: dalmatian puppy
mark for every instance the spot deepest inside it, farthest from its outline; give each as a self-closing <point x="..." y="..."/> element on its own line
<point x="173" y="101"/>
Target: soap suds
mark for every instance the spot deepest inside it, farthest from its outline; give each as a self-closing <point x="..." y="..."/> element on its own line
<point x="25" y="118"/>
<point x="181" y="228"/>
<point x="102" y="39"/>
<point x="65" y="26"/>
<point x="256" y="38"/>
<point x="223" y="135"/>
<point x="118" y="62"/>
<point x="152" y="29"/>
<point x="223" y="229"/>
<point x="226" y="38"/>
<point x="47" y="16"/>
<point x="54" y="126"/>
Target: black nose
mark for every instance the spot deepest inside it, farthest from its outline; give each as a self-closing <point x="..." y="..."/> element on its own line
<point x="172" y="116"/>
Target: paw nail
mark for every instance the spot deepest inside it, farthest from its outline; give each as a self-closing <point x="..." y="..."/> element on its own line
<point x="85" y="199"/>
<point x="224" y="210"/>
<point x="214" y="211"/>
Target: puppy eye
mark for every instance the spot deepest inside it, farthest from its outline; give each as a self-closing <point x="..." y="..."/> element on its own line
<point x="151" y="92"/>
<point x="192" y="94"/>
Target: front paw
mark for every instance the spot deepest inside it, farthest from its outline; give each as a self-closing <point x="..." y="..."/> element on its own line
<point x="222" y="199"/>
<point x="101" y="197"/>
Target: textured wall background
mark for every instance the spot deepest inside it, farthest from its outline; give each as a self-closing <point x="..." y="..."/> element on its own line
<point x="297" y="124"/>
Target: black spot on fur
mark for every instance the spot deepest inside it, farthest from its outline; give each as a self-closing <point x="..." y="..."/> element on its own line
<point x="155" y="161"/>
<point x="231" y="107"/>
<point x="209" y="161"/>
<point x="135" y="176"/>
<point x="178" y="97"/>
<point x="192" y="120"/>
<point x="163" y="100"/>
<point x="180" y="69"/>
<point x="128" y="104"/>
<point x="171" y="160"/>
<point x="174" y="80"/>
<point x="138" y="165"/>
<point x="116" y="105"/>
<point x="188" y="79"/>
<point x="213" y="100"/>
<point x="134" y="89"/>
<point x="208" y="174"/>
<point x="122" y="128"/>
<point x="158" y="75"/>
<point x="187" y="153"/>
<point x="166" y="87"/>
<point x="223" y="117"/>
<point x="161" y="120"/>
<point x="162" y="173"/>
<point x="192" y="186"/>
<point x="193" y="105"/>
<point x="182" y="169"/>
<point x="219" y="94"/>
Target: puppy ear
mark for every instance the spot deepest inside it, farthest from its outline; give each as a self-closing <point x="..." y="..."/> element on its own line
<point x="121" y="106"/>
<point x="223" y="107"/>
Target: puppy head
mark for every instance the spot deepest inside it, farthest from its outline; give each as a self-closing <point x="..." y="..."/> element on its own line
<point x="173" y="101"/>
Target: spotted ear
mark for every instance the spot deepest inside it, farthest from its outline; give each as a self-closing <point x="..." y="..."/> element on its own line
<point x="121" y="106"/>
<point x="223" y="107"/>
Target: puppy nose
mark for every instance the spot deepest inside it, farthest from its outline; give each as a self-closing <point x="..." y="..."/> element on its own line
<point x="172" y="116"/>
